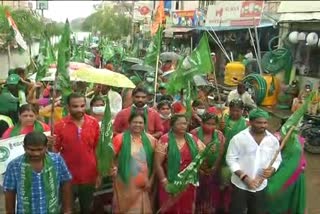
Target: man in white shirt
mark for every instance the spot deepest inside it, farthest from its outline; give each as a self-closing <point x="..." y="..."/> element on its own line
<point x="248" y="156"/>
<point x="241" y="93"/>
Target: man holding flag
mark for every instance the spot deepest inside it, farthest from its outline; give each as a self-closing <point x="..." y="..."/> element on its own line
<point x="248" y="156"/>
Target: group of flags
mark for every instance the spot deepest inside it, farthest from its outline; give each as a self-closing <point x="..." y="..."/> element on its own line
<point x="198" y="62"/>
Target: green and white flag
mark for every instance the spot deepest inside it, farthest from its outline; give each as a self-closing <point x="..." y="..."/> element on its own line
<point x="104" y="149"/>
<point x="190" y="175"/>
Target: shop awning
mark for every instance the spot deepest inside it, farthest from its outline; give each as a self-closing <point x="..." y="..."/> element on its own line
<point x="168" y="32"/>
<point x="227" y="28"/>
<point x="299" y="17"/>
<point x="293" y="11"/>
<point x="178" y="30"/>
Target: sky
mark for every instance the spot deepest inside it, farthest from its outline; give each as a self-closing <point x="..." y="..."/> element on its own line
<point x="61" y="10"/>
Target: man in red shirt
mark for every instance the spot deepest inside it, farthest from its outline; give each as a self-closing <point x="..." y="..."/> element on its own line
<point x="153" y="120"/>
<point x="77" y="136"/>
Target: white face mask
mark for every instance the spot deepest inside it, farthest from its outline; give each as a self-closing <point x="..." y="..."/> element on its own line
<point x="98" y="109"/>
<point x="165" y="117"/>
<point x="200" y="111"/>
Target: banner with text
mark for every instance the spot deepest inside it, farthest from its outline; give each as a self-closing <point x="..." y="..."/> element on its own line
<point x="11" y="148"/>
<point x="185" y="18"/>
<point x="234" y="13"/>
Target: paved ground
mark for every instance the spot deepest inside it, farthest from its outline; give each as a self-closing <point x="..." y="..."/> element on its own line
<point x="313" y="183"/>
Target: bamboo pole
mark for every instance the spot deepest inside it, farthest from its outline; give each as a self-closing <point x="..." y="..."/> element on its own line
<point x="54" y="93"/>
<point x="283" y="143"/>
<point x="9" y="56"/>
<point x="156" y="80"/>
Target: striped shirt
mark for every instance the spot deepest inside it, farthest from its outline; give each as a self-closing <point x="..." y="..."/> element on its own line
<point x="13" y="182"/>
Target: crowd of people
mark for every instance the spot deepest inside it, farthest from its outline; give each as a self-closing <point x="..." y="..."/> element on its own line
<point x="152" y="144"/>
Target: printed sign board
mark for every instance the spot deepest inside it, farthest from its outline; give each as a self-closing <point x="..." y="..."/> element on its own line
<point x="234" y="13"/>
<point x="185" y="18"/>
<point x="142" y="10"/>
<point x="42" y="5"/>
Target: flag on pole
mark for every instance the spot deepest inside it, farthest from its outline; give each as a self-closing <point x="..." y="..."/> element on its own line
<point x="45" y="59"/>
<point x="17" y="34"/>
<point x="190" y="175"/>
<point x="154" y="48"/>
<point x="158" y="18"/>
<point x="104" y="151"/>
<point x="198" y="63"/>
<point x="283" y="198"/>
<point x="64" y="54"/>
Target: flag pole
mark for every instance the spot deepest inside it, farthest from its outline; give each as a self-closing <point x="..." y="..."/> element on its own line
<point x="156" y="80"/>
<point x="53" y="95"/>
<point x="282" y="145"/>
<point x="9" y="56"/>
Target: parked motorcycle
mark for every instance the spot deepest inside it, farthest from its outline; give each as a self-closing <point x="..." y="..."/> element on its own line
<point x="310" y="130"/>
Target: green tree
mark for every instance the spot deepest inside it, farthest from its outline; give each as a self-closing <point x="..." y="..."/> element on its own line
<point x="111" y="22"/>
<point x="54" y="28"/>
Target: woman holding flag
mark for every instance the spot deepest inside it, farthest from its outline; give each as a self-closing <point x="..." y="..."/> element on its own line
<point x="174" y="152"/>
<point x="134" y="172"/>
<point x="208" y="191"/>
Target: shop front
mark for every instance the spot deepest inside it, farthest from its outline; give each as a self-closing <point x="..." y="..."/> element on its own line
<point x="238" y="32"/>
<point x="180" y="33"/>
<point x="299" y="26"/>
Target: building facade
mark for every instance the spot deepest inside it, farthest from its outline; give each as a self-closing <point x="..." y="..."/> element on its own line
<point x="16" y="4"/>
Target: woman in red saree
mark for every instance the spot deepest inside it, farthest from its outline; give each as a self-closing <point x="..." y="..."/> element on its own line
<point x="208" y="193"/>
<point x="27" y="122"/>
<point x="134" y="152"/>
<point x="174" y="152"/>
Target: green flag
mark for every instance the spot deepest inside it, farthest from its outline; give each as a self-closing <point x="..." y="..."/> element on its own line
<point x="104" y="149"/>
<point x="154" y="48"/>
<point x="45" y="58"/>
<point x="62" y="75"/>
<point x="107" y="51"/>
<point x="77" y="55"/>
<point x="282" y="198"/>
<point x="198" y="63"/>
<point x="190" y="174"/>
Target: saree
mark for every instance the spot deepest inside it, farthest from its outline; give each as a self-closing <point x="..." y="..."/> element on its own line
<point x="185" y="201"/>
<point x="291" y="199"/>
<point x="131" y="197"/>
<point x="208" y="198"/>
